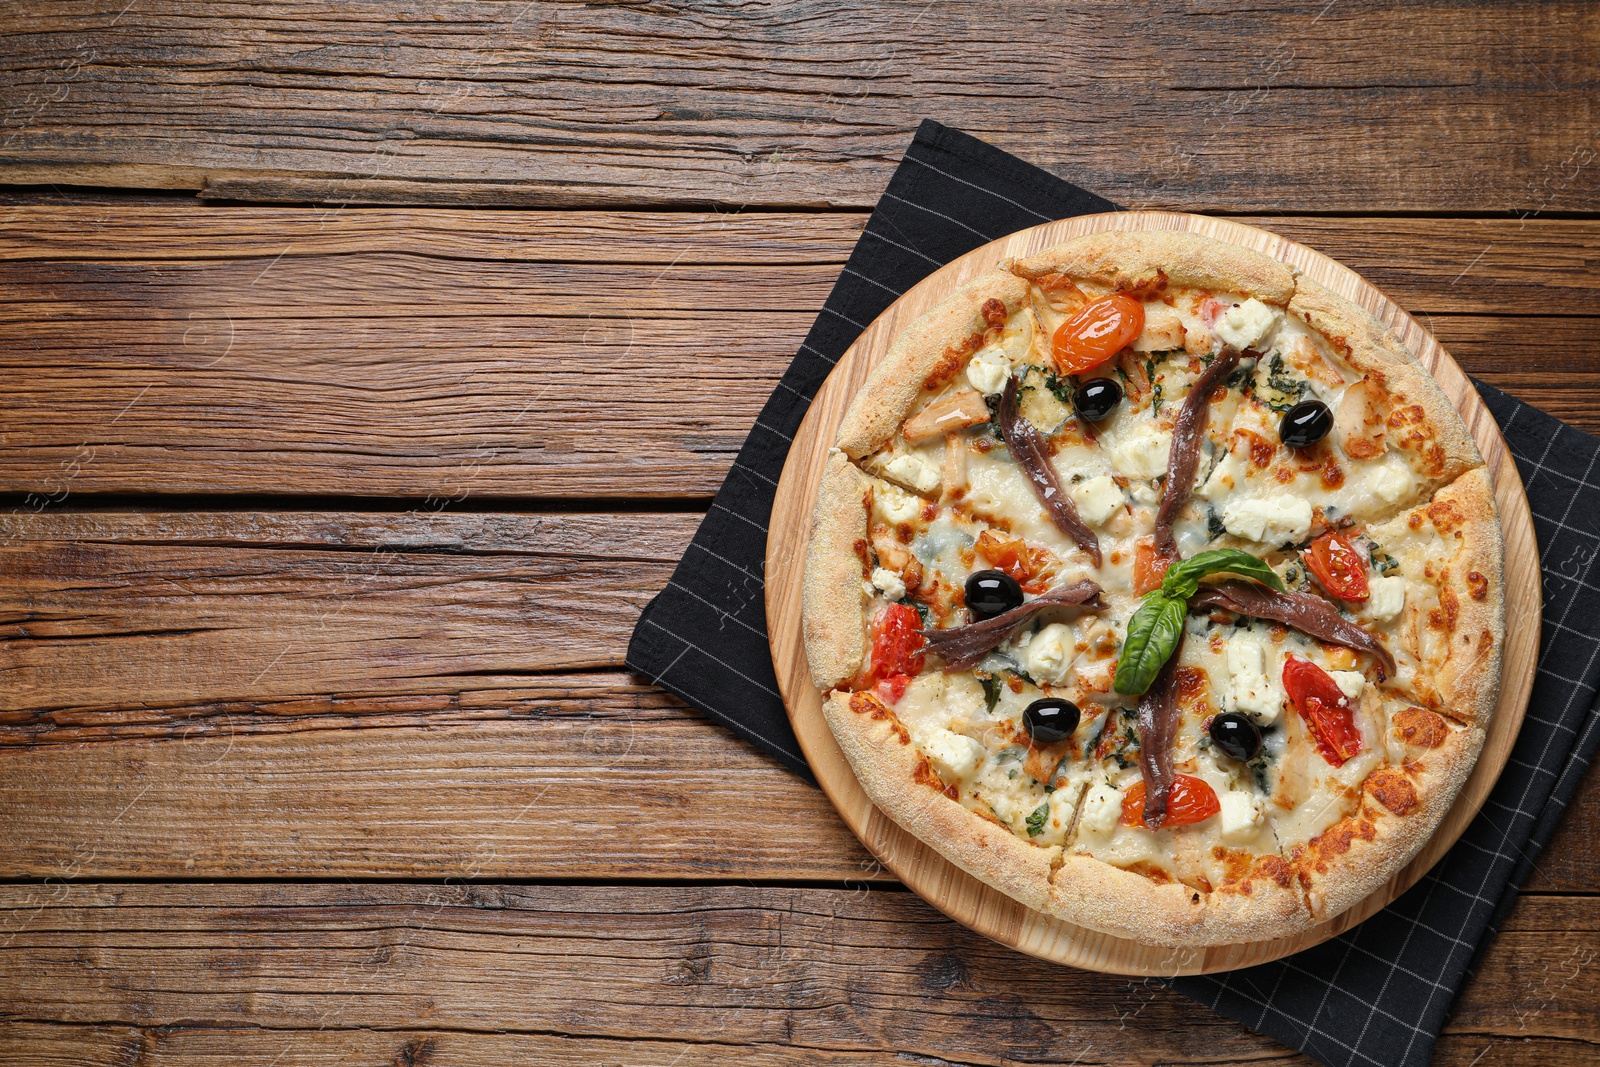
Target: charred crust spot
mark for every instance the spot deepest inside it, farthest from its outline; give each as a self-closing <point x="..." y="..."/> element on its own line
<point x="1446" y="515"/>
<point x="1477" y="585"/>
<point x="1150" y="871"/>
<point x="1415" y="521"/>
<point x="926" y="775"/>
<point x="1450" y="606"/>
<point x="1393" y="790"/>
<point x="1143" y="286"/>
<point x="1421" y="728"/>
<point x="868" y="704"/>
<point x="994" y="312"/>
<point x="1277" y="869"/>
<point x="952" y="360"/>
<point x="1336" y="840"/>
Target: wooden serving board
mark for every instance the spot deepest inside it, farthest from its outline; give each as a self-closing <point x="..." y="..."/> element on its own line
<point x="945" y="886"/>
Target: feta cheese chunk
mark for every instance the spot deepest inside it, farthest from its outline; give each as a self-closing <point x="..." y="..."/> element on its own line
<point x="1350" y="683"/>
<point x="988" y="370"/>
<point x="1101" y="809"/>
<point x="1390" y="483"/>
<point x="1242" y="325"/>
<point x="1386" y="597"/>
<point x="1224" y="479"/>
<point x="1142" y="453"/>
<point x="953" y="754"/>
<point x="1269" y="522"/>
<point x="1097" y="499"/>
<point x="1240" y="815"/>
<point x="895" y="504"/>
<point x="1250" y="691"/>
<point x="888" y="583"/>
<point x="1051" y="652"/>
<point x="912" y="470"/>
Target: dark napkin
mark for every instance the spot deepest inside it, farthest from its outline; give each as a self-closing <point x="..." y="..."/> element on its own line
<point x="1376" y="995"/>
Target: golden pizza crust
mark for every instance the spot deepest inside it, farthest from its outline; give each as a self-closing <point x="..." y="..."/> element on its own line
<point x="904" y="786"/>
<point x="1422" y="420"/>
<point x="1138" y="260"/>
<point x="885" y="399"/>
<point x="1400" y="809"/>
<point x="1472" y="597"/>
<point x="833" y="602"/>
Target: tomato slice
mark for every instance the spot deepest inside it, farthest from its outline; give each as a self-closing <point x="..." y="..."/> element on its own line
<point x="1190" y="801"/>
<point x="1148" y="567"/>
<point x="1097" y="332"/>
<point x="1324" y="708"/>
<point x="1339" y="566"/>
<point x="896" y="646"/>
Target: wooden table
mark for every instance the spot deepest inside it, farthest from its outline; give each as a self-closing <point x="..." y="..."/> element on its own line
<point x="325" y="523"/>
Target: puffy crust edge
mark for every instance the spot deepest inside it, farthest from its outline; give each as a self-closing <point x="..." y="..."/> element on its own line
<point x="1126" y="259"/>
<point x="833" y="606"/>
<point x="888" y="765"/>
<point x="882" y="402"/>
<point x="1367" y="849"/>
<point x="1371" y="348"/>
<point x="1468" y="681"/>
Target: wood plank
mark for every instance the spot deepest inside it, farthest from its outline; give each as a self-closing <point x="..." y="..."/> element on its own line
<point x="441" y="353"/>
<point x="807" y="104"/>
<point x="115" y="609"/>
<point x="185" y="975"/>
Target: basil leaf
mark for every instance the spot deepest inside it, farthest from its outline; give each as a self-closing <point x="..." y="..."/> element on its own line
<point x="1183" y="578"/>
<point x="1036" y="820"/>
<point x="1153" y="634"/>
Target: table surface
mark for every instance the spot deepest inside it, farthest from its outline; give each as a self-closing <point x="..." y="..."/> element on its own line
<point x="366" y="369"/>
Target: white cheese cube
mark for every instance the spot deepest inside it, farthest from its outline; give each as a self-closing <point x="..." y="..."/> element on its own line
<point x="1142" y="453"/>
<point x="912" y="470"/>
<point x="955" y="755"/>
<point x="1102" y="807"/>
<point x="1145" y="494"/>
<point x="1224" y="479"/>
<point x="1242" y="325"/>
<point x="1390" y="483"/>
<point x="895" y="504"/>
<point x="1270" y="522"/>
<point x="1097" y="499"/>
<point x="1250" y="691"/>
<point x="1350" y="683"/>
<point x="888" y="583"/>
<point x="1051" y="652"/>
<point x="1386" y="597"/>
<point x="1240" y="815"/>
<point x="988" y="370"/>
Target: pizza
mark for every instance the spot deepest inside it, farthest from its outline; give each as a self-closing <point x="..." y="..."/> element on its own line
<point x="1158" y="587"/>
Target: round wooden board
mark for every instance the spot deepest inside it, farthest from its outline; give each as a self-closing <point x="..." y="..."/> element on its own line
<point x="945" y="886"/>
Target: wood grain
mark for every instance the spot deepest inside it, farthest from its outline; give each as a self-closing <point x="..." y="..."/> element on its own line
<point x="640" y="975"/>
<point x="953" y="890"/>
<point x="325" y="772"/>
<point x="1316" y="107"/>
<point x="442" y="354"/>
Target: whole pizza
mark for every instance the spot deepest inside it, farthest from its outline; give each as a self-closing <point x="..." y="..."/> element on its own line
<point x="1158" y="587"/>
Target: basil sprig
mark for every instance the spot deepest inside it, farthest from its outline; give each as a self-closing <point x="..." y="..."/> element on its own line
<point x="1155" y="628"/>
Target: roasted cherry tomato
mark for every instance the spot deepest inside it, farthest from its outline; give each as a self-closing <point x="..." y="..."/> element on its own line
<point x="1339" y="566"/>
<point x="896" y="645"/>
<point x="1191" y="800"/>
<point x="1097" y="332"/>
<point x="1325" y="709"/>
<point x="1148" y="568"/>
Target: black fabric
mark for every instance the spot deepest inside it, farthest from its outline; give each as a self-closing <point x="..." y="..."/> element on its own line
<point x="1376" y="995"/>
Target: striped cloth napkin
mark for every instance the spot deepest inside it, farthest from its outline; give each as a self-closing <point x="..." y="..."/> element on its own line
<point x="1377" y="995"/>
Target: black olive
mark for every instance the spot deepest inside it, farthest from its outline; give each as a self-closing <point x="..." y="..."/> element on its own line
<point x="1305" y="424"/>
<point x="1051" y="720"/>
<point x="1097" y="398"/>
<point x="1236" y="735"/>
<point x="989" y="593"/>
